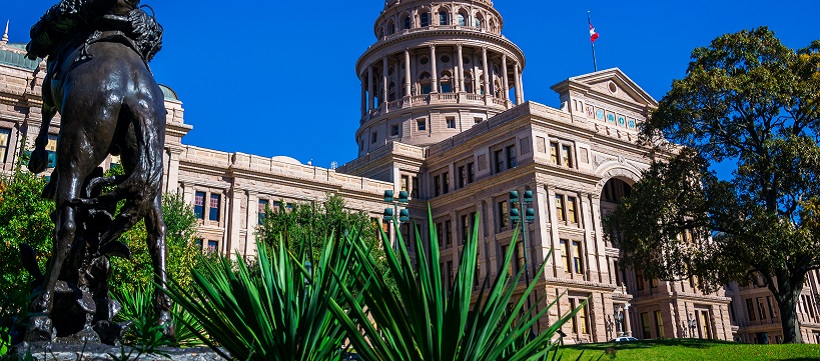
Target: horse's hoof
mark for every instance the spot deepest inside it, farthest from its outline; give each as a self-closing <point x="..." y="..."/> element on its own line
<point x="38" y="161"/>
<point x="39" y="329"/>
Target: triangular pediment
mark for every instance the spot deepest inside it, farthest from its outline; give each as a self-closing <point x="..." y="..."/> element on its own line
<point x="610" y="84"/>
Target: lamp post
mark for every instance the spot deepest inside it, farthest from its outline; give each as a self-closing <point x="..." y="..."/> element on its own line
<point x="389" y="213"/>
<point x="618" y="316"/>
<point x="529" y="217"/>
<point x="692" y="325"/>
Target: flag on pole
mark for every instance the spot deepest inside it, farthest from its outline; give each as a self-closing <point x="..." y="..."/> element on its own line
<point x="593" y="35"/>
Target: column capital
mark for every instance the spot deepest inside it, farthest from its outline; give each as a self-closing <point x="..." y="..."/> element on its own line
<point x="459" y="46"/>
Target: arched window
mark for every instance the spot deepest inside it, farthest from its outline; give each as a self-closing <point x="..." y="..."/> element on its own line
<point x="478" y="21"/>
<point x="442" y="17"/>
<point x="462" y="18"/>
<point x="381" y="32"/>
<point x="391" y="27"/>
<point x="407" y="23"/>
<point x="446" y="82"/>
<point x="401" y="89"/>
<point x="424" y="83"/>
<point x="468" y="81"/>
<point x="424" y="19"/>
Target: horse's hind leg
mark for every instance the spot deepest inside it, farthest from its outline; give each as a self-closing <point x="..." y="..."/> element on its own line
<point x="155" y="226"/>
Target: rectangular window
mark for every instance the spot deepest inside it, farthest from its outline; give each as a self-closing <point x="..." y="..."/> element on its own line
<point x="436" y="186"/>
<point x="5" y="135"/>
<point x="477" y="120"/>
<point x="465" y="228"/>
<point x="422" y="124"/>
<point x="565" y="254"/>
<point x="503" y="211"/>
<point x="559" y="208"/>
<point x="445" y="178"/>
<point x="577" y="261"/>
<point x="440" y="232"/>
<point x="499" y="160"/>
<point x="645" y="325"/>
<point x="262" y="209"/>
<point x="448" y="232"/>
<point x="373" y="137"/>
<point x="213" y="246"/>
<point x="213" y="208"/>
<point x="512" y="160"/>
<point x="449" y="277"/>
<point x="199" y="242"/>
<point x="772" y="310"/>
<point x="761" y="309"/>
<point x="750" y="309"/>
<point x="394" y="130"/>
<point x="470" y="172"/>
<point x="566" y="156"/>
<point x="51" y="149"/>
<point x="502" y="257"/>
<point x="571" y="210"/>
<point x="199" y="205"/>
<point x="640" y="279"/>
<point x="404" y="180"/>
<point x="572" y="304"/>
<point x="659" y="324"/>
<point x="414" y="192"/>
<point x="582" y="319"/>
<point x="462" y="176"/>
<point x="451" y="122"/>
<point x="554" y="153"/>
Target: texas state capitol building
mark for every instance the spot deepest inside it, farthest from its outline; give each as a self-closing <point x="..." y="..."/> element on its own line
<point x="443" y="117"/>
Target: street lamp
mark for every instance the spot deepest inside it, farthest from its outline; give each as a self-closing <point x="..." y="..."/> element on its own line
<point x="389" y="213"/>
<point x="618" y="316"/>
<point x="692" y="325"/>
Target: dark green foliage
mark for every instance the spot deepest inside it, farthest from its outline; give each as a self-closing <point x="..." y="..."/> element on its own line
<point x="421" y="320"/>
<point x="750" y="100"/>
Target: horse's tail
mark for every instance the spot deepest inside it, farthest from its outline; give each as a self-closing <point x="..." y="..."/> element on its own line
<point x="143" y="183"/>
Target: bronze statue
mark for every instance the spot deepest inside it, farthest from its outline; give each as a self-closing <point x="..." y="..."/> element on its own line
<point x="99" y="81"/>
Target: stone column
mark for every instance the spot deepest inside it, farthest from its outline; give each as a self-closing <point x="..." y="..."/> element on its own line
<point x="384" y="83"/>
<point x="370" y="97"/>
<point x="486" y="73"/>
<point x="188" y="193"/>
<point x="235" y="242"/>
<point x="593" y="253"/>
<point x="251" y="222"/>
<point x="519" y="95"/>
<point x="434" y="76"/>
<point x="560" y="269"/>
<point x="521" y="81"/>
<point x="506" y="81"/>
<point x="364" y="94"/>
<point x="407" y="76"/>
<point x="172" y="184"/>
<point x="460" y="67"/>
<point x="627" y="322"/>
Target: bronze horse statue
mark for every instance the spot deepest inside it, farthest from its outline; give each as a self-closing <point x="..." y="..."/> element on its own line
<point x="99" y="81"/>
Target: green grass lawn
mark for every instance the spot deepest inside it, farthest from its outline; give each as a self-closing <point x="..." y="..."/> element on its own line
<point x="689" y="349"/>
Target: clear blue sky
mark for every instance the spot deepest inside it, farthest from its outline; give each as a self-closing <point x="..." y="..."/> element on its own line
<point x="277" y="77"/>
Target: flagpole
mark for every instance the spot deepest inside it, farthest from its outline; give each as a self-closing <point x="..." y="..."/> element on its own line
<point x="594" y="60"/>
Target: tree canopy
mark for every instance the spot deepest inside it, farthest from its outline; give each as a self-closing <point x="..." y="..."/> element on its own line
<point x="747" y="100"/>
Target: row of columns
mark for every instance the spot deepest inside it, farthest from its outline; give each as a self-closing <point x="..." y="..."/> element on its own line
<point x="398" y="20"/>
<point x="368" y="90"/>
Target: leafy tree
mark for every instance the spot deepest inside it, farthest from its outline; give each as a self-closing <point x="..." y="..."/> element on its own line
<point x="746" y="99"/>
<point x="313" y="221"/>
<point x="180" y="222"/>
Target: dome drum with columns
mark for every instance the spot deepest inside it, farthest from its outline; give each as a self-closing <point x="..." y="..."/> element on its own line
<point x="461" y="71"/>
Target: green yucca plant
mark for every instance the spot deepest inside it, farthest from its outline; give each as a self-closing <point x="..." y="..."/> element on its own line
<point x="276" y="311"/>
<point x="137" y="306"/>
<point x="424" y="321"/>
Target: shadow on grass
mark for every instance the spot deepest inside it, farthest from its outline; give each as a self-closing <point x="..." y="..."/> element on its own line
<point x="682" y="342"/>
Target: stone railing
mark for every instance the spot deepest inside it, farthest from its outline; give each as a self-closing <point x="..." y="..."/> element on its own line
<point x="437" y="98"/>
